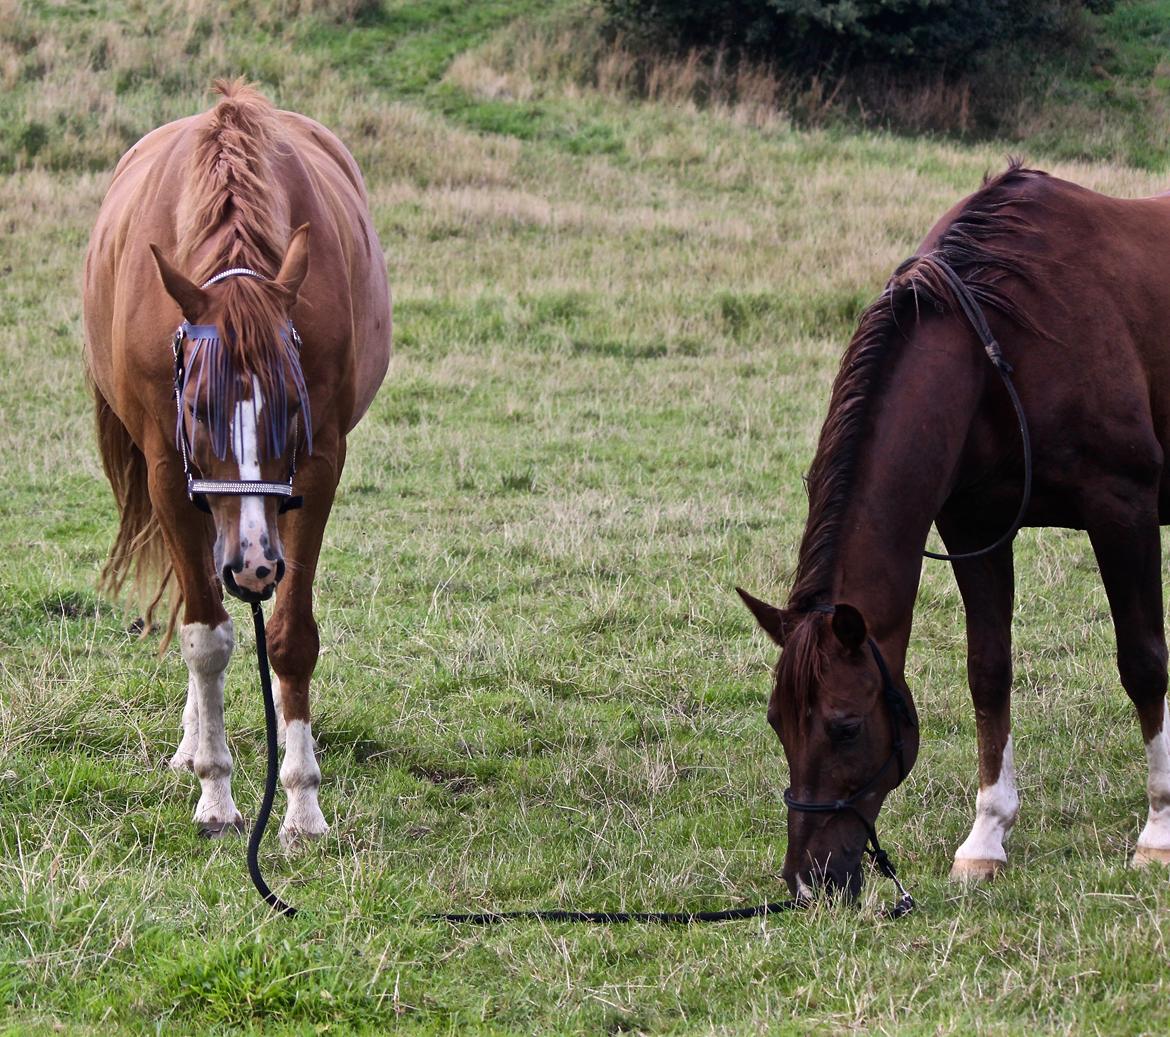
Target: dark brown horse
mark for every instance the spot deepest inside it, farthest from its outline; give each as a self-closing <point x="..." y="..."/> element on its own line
<point x="921" y="430"/>
<point x="275" y="361"/>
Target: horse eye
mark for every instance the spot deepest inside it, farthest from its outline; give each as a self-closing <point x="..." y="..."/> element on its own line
<point x="843" y="730"/>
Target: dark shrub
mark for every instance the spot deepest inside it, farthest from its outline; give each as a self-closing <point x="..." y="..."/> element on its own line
<point x="818" y="34"/>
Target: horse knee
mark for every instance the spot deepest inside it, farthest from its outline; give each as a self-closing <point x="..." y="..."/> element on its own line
<point x="207" y="650"/>
<point x="294" y="651"/>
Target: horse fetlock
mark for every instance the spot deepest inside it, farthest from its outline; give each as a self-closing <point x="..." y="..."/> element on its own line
<point x="298" y="775"/>
<point x="184" y="758"/>
<point x="217" y="809"/>
<point x="982" y="856"/>
<point x="212" y="766"/>
<point x="299" y="769"/>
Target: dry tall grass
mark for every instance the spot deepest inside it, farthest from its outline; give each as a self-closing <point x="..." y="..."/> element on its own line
<point x="580" y="55"/>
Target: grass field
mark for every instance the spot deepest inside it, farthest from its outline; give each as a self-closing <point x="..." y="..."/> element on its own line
<point x="617" y="323"/>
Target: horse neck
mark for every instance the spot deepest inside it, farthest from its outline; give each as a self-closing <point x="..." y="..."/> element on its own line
<point x="906" y="467"/>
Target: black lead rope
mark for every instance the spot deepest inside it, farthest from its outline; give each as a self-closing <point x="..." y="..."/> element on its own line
<point x="974" y="314"/>
<point x="270" y="898"/>
<point x="620" y="917"/>
<point x="903" y="905"/>
<point x="899" y="714"/>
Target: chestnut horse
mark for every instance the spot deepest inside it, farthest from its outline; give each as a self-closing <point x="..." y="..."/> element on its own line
<point x="921" y="430"/>
<point x="274" y="361"/>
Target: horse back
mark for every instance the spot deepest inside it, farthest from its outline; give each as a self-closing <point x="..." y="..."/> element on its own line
<point x="1093" y="368"/>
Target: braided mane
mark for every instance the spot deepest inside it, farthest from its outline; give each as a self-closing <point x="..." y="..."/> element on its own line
<point x="231" y="201"/>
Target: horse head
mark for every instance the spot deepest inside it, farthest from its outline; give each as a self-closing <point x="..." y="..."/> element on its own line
<point x="849" y="734"/>
<point x="242" y="405"/>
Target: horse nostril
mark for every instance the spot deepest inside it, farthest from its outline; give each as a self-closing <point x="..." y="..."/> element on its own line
<point x="279" y="570"/>
<point x="262" y="571"/>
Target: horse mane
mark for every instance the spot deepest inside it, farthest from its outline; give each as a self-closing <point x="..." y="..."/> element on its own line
<point x="230" y="185"/>
<point x="982" y="245"/>
<point x="232" y="199"/>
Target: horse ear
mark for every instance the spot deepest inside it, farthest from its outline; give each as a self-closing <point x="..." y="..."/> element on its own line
<point x="849" y="626"/>
<point x="191" y="298"/>
<point x="774" y="621"/>
<point x="296" y="262"/>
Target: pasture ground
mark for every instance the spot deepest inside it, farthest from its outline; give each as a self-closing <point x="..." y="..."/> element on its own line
<point x="616" y="328"/>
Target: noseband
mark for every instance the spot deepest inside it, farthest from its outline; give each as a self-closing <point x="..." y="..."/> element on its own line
<point x="197" y="488"/>
<point x="899" y="712"/>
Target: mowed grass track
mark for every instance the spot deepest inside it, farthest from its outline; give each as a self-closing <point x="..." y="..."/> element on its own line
<point x="617" y="325"/>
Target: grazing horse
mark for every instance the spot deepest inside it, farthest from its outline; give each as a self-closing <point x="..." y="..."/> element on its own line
<point x="920" y="429"/>
<point x="205" y="431"/>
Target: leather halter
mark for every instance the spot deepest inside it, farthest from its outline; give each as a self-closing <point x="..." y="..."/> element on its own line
<point x="197" y="488"/>
<point x="899" y="712"/>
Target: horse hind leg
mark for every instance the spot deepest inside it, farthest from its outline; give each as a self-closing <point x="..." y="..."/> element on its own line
<point x="139" y="550"/>
<point x="986" y="585"/>
<point x="184" y="758"/>
<point x="1129" y="557"/>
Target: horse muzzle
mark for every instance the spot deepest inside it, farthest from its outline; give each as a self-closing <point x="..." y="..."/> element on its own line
<point x="252" y="583"/>
<point x="842" y="882"/>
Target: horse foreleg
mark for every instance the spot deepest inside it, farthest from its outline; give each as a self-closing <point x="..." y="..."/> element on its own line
<point x="987" y="585"/>
<point x="1129" y="557"/>
<point x="206" y="641"/>
<point x="293" y="648"/>
<point x="207" y="651"/>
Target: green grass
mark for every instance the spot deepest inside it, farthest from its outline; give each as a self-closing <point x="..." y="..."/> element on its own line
<point x="538" y="687"/>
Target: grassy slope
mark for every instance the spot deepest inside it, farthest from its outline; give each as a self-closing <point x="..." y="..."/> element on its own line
<point x="616" y="332"/>
<point x="1115" y="107"/>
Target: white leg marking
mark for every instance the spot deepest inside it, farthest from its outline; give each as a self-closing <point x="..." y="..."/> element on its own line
<point x="206" y="650"/>
<point x="301" y="777"/>
<point x="1154" y="842"/>
<point x="184" y="758"/>
<point x="996" y="808"/>
<point x="276" y="701"/>
<point x="253" y="522"/>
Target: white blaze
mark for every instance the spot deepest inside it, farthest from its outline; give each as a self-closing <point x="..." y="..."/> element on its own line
<point x="246" y="447"/>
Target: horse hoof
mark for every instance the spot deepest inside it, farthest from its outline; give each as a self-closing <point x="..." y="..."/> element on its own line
<point x="1145" y="855"/>
<point x="221" y="829"/>
<point x="296" y="837"/>
<point x="976" y="870"/>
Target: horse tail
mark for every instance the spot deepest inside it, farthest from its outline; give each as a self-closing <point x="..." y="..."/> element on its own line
<point x="139" y="554"/>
